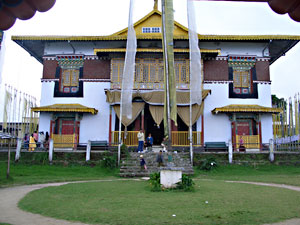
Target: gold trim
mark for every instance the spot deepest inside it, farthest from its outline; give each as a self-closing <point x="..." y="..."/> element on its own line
<point x="146" y="37"/>
<point x="65" y="108"/>
<point x="245" y="109"/>
<point x="96" y="50"/>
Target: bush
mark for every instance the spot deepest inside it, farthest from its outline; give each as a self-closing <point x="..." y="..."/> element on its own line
<point x="186" y="183"/>
<point x="124" y="150"/>
<point x="109" y="162"/>
<point x="208" y="164"/>
<point x="155" y="182"/>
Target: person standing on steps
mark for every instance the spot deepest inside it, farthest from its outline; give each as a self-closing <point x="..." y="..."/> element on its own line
<point x="143" y="163"/>
<point x="149" y="142"/>
<point x="141" y="139"/>
<point x="160" y="159"/>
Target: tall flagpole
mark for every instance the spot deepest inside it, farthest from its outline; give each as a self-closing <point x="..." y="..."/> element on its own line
<point x="167" y="93"/>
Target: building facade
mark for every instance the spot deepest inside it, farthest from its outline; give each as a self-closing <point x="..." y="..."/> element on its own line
<point x="82" y="81"/>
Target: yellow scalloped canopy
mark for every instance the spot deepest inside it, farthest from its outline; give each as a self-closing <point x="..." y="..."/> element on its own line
<point x="65" y="108"/>
<point x="246" y="109"/>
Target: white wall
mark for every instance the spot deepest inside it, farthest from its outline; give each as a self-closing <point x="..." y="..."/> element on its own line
<point x="218" y="127"/>
<point x="237" y="48"/>
<point x="92" y="127"/>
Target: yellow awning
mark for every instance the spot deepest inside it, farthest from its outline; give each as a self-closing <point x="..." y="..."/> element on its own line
<point x="246" y="109"/>
<point x="65" y="108"/>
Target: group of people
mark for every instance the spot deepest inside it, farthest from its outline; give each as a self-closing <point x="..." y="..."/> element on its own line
<point x="149" y="142"/>
<point x="159" y="160"/>
<point x="36" y="140"/>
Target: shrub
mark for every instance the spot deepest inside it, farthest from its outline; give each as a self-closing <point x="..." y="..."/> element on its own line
<point x="208" y="164"/>
<point x="186" y="183"/>
<point x="155" y="182"/>
<point x="124" y="150"/>
<point x="109" y="162"/>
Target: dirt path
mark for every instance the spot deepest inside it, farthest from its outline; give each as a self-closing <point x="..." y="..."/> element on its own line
<point x="10" y="213"/>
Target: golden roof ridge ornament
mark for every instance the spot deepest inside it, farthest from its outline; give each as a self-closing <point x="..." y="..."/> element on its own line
<point x="155" y="7"/>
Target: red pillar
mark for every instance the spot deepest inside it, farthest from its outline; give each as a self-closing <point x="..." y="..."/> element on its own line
<point x="260" y="136"/>
<point x="233" y="136"/>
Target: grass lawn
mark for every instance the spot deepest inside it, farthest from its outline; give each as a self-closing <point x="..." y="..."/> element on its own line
<point x="132" y="202"/>
<point x="21" y="174"/>
<point x="265" y="173"/>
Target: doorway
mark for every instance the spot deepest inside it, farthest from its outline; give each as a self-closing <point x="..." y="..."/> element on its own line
<point x="156" y="130"/>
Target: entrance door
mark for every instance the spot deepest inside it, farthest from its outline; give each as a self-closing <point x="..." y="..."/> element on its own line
<point x="243" y="128"/>
<point x="67" y="126"/>
<point x="157" y="132"/>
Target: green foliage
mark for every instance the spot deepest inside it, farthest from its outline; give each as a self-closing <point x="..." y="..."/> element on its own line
<point x="109" y="162"/>
<point x="186" y="183"/>
<point x="40" y="157"/>
<point x="124" y="150"/>
<point x="209" y="164"/>
<point x="155" y="182"/>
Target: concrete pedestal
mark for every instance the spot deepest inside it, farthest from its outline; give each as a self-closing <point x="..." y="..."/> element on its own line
<point x="169" y="176"/>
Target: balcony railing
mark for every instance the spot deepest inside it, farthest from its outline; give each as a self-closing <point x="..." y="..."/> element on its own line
<point x="64" y="140"/>
<point x="131" y="138"/>
<point x="250" y="141"/>
<point x="179" y="138"/>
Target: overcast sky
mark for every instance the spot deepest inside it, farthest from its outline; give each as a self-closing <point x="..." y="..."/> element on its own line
<point x="99" y="17"/>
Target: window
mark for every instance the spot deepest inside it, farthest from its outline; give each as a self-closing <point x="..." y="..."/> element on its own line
<point x="242" y="73"/>
<point x="69" y="81"/>
<point x="242" y="81"/>
<point x="68" y="73"/>
<point x="150" y="71"/>
<point x="151" y="30"/>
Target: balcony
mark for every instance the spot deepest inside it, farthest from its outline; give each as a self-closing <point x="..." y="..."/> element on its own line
<point x="149" y="73"/>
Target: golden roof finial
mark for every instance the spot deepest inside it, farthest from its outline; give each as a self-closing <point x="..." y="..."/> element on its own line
<point x="155" y="5"/>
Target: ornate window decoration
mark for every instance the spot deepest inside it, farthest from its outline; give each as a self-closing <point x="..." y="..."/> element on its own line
<point x="242" y="73"/>
<point x="149" y="73"/>
<point x="69" y="71"/>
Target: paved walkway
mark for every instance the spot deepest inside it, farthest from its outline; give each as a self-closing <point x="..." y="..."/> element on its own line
<point x="10" y="213"/>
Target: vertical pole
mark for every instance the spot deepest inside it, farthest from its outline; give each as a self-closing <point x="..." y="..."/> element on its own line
<point x="88" y="151"/>
<point x="230" y="151"/>
<point x="271" y="144"/>
<point x="110" y="121"/>
<point x="191" y="131"/>
<point x="120" y="138"/>
<point x="18" y="150"/>
<point x="143" y="120"/>
<point x="51" y="146"/>
<point x="167" y="75"/>
<point x="8" y="160"/>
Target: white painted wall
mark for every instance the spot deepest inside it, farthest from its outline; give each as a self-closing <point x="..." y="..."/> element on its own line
<point x="44" y="123"/>
<point x="92" y="127"/>
<point x="227" y="48"/>
<point x="218" y="127"/>
<point x="238" y="48"/>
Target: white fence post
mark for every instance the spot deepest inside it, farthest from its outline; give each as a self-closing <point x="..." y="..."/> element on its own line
<point x="271" y="146"/>
<point x="18" y="150"/>
<point x="51" y="147"/>
<point x="88" y="151"/>
<point x="230" y="151"/>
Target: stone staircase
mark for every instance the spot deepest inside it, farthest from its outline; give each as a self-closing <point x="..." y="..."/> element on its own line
<point x="130" y="166"/>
